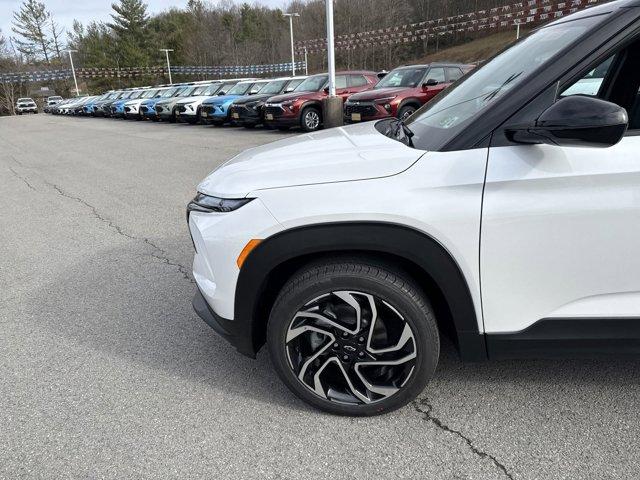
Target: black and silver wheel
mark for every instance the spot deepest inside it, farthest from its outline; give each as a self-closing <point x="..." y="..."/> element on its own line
<point x="310" y="119"/>
<point x="353" y="338"/>
<point x="406" y="112"/>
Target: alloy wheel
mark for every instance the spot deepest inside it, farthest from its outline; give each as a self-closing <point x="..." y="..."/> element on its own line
<point x="312" y="120"/>
<point x="351" y="347"/>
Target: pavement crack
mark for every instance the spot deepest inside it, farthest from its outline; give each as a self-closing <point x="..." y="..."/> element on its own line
<point x="158" y="253"/>
<point x="422" y="406"/>
<point x="26" y="182"/>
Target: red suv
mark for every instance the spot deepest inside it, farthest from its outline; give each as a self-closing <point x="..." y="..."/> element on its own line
<point x="303" y="107"/>
<point x="402" y="91"/>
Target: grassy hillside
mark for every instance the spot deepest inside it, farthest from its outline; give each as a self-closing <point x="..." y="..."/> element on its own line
<point x="474" y="51"/>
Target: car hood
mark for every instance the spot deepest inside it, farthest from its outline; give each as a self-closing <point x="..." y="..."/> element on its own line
<point x="252" y="98"/>
<point x="355" y="152"/>
<point x="217" y="100"/>
<point x="199" y="98"/>
<point x="377" y="93"/>
<point x="294" y="95"/>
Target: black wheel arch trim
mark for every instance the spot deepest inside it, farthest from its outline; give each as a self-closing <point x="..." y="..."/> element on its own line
<point x="310" y="241"/>
<point x="414" y="102"/>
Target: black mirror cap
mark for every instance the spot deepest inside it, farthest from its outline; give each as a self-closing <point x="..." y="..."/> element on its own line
<point x="431" y="82"/>
<point x="575" y="121"/>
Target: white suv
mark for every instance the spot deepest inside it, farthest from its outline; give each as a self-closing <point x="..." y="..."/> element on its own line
<point x="26" y="105"/>
<point x="504" y="214"/>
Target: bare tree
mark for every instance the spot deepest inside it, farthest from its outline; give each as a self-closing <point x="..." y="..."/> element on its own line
<point x="57" y="34"/>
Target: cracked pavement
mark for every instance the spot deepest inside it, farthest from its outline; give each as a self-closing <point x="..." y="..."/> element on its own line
<point x="106" y="372"/>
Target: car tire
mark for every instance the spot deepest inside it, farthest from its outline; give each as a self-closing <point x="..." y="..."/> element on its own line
<point x="406" y="111"/>
<point x="249" y="126"/>
<point x="315" y="362"/>
<point x="310" y="119"/>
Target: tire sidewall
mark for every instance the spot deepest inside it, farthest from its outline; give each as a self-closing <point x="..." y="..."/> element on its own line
<point x="424" y="329"/>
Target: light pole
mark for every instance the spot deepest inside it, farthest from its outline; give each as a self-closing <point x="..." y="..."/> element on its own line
<point x="166" y="51"/>
<point x="331" y="57"/>
<point x="293" y="57"/>
<point x="73" y="70"/>
<point x="518" y="30"/>
<point x="332" y="104"/>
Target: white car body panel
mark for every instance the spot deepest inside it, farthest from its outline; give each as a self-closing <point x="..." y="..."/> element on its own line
<point x="440" y="196"/>
<point x="195" y="102"/>
<point x="337" y="155"/>
<point x="359" y="175"/>
<point x="560" y="234"/>
<point x="219" y="238"/>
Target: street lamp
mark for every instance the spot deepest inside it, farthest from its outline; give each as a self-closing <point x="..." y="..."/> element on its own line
<point x="166" y="51"/>
<point x="293" y="58"/>
<point x="73" y="70"/>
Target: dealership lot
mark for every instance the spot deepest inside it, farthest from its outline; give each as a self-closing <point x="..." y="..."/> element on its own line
<point x="108" y="373"/>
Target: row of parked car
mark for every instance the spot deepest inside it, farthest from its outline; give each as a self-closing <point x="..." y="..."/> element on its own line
<point x="280" y="103"/>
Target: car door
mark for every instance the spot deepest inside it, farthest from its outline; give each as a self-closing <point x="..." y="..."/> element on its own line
<point x="342" y="87"/>
<point x="560" y="236"/>
<point x="437" y="75"/>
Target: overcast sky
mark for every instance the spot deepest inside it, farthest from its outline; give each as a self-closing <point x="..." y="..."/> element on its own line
<point x="64" y="11"/>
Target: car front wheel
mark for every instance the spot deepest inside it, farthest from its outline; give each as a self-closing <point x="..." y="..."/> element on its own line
<point x="310" y="119"/>
<point x="406" y="112"/>
<point x="352" y="337"/>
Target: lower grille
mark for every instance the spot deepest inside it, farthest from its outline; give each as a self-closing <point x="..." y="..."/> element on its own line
<point x="275" y="111"/>
<point x="362" y="109"/>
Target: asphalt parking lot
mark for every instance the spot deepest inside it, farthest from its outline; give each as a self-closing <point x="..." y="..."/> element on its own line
<point x="106" y="372"/>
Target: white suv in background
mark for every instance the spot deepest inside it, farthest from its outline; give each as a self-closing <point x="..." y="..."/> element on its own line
<point x="26" y="105"/>
<point x="504" y="214"/>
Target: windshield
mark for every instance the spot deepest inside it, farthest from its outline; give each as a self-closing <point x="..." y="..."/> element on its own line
<point x="149" y="93"/>
<point x="188" y="91"/>
<point x="169" y="92"/>
<point x="240" y="89"/>
<point x="273" y="87"/>
<point x="199" y="90"/>
<point x="25" y="100"/>
<point x="402" y="77"/>
<point x="446" y="116"/>
<point x="211" y="89"/>
<point x="312" y="84"/>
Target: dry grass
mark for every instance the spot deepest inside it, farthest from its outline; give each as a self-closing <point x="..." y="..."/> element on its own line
<point x="474" y="51"/>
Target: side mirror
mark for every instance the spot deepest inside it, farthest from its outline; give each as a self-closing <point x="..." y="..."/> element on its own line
<point x="220" y="93"/>
<point x="431" y="82"/>
<point x="576" y="121"/>
<point x="326" y="90"/>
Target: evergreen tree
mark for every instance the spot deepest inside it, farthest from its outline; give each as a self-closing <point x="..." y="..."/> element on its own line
<point x="130" y="25"/>
<point x="30" y="24"/>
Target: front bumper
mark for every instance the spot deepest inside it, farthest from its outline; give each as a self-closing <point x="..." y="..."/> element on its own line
<point x="27" y="110"/>
<point x="231" y="331"/>
<point x="279" y="117"/>
<point x="219" y="238"/>
<point x="245" y="115"/>
<point x="213" y="113"/>
<point x="366" y="111"/>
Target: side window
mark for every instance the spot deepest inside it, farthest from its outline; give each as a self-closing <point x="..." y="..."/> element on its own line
<point x="454" y="73"/>
<point x="590" y="84"/>
<point x="341" y="81"/>
<point x="437" y="74"/>
<point x="358" y="80"/>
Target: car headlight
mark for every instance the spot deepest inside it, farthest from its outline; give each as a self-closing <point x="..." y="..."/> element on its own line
<point x="384" y="100"/>
<point x="208" y="204"/>
<point x="253" y="105"/>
